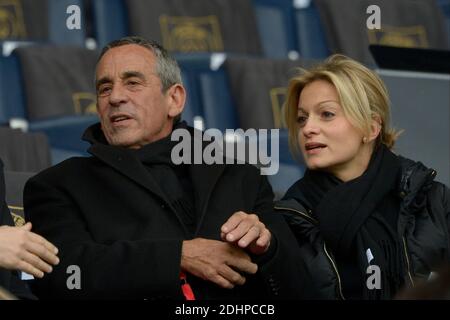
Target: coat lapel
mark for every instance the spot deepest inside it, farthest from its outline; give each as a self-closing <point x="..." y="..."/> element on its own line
<point x="129" y="165"/>
<point x="204" y="178"/>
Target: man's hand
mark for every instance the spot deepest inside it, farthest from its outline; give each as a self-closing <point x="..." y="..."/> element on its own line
<point x="21" y="249"/>
<point x="216" y="261"/>
<point x="247" y="231"/>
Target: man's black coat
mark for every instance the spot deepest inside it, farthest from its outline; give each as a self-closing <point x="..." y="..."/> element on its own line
<point x="108" y="216"/>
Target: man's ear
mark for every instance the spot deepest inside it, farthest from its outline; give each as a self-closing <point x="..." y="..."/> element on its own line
<point x="176" y="98"/>
<point x="375" y="128"/>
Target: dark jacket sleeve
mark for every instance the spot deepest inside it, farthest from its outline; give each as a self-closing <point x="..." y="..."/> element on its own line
<point x="121" y="269"/>
<point x="10" y="279"/>
<point x="281" y="266"/>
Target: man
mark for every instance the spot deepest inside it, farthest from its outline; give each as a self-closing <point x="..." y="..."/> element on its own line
<point x="21" y="250"/>
<point x="130" y="224"/>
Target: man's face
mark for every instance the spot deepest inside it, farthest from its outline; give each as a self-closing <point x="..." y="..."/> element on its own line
<point x="133" y="109"/>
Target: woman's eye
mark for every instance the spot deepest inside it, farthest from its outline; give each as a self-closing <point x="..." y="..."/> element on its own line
<point x="327" y="114"/>
<point x="301" y="120"/>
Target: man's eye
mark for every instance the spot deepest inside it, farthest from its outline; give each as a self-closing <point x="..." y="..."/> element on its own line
<point x="104" y="90"/>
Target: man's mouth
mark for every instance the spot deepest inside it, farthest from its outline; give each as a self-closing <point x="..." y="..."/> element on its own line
<point x="115" y="119"/>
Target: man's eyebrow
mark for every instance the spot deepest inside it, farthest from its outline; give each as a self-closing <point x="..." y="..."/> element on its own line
<point x="132" y="74"/>
<point x="125" y="75"/>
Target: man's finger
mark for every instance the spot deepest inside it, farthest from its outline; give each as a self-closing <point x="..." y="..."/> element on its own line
<point x="243" y="265"/>
<point x="233" y="221"/>
<point x="264" y="238"/>
<point x="239" y="231"/>
<point x="252" y="234"/>
<point x="27" y="226"/>
<point x="231" y="275"/>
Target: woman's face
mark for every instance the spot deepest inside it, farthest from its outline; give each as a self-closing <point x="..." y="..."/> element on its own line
<point x="328" y="140"/>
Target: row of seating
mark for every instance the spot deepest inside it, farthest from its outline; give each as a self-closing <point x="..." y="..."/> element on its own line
<point x="270" y="28"/>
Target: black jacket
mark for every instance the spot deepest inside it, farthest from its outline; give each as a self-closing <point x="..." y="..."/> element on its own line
<point x="108" y="216"/>
<point x="423" y="229"/>
<point x="10" y="279"/>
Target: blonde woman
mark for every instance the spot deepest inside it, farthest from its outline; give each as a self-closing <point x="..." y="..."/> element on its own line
<point x="368" y="222"/>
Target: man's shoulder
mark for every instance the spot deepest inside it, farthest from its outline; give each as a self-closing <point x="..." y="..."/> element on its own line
<point x="70" y="167"/>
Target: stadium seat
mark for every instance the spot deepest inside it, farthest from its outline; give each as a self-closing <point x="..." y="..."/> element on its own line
<point x="40" y="21"/>
<point x="12" y="105"/>
<point x="21" y="151"/>
<point x="181" y="26"/>
<point x="15" y="183"/>
<point x="445" y="7"/>
<point x="58" y="91"/>
<point x="289" y="29"/>
<point x="258" y="88"/>
<point x="345" y="23"/>
<point x="208" y="91"/>
<point x="110" y="20"/>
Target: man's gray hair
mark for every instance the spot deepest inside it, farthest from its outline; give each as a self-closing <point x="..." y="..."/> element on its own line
<point x="167" y="67"/>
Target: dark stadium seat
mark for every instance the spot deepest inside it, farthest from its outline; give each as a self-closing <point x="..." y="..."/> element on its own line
<point x="404" y="23"/>
<point x="258" y="87"/>
<point x="181" y="26"/>
<point x="58" y="93"/>
<point x="21" y="151"/>
<point x="15" y="183"/>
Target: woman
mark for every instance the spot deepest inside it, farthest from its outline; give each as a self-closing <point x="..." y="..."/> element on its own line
<point x="367" y="221"/>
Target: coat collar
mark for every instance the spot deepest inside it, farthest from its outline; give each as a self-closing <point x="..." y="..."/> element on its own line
<point x="204" y="177"/>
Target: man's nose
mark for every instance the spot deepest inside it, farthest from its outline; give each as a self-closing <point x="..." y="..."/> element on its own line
<point x="118" y="95"/>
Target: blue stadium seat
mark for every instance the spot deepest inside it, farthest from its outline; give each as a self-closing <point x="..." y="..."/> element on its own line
<point x="288" y="28"/>
<point x="276" y="27"/>
<point x="58" y="31"/>
<point x="311" y="35"/>
<point x="445" y="6"/>
<point x="110" y="20"/>
<point x="23" y="27"/>
<point x="208" y="92"/>
<point x="11" y="95"/>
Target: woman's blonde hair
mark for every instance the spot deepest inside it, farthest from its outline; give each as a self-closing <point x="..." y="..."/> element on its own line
<point x="362" y="95"/>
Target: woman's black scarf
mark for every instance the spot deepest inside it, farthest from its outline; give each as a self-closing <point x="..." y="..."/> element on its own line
<point x="348" y="218"/>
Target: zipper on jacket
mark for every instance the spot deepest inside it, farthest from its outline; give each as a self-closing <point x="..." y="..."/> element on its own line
<point x="304" y="215"/>
<point x="335" y="271"/>
<point x="333" y="265"/>
<point x="408" y="267"/>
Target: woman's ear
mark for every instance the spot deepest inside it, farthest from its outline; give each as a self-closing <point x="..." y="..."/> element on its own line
<point x="176" y="98"/>
<point x="375" y="128"/>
